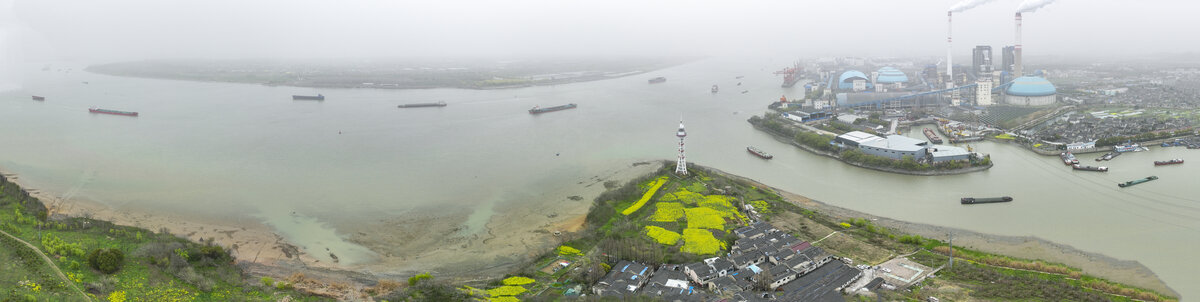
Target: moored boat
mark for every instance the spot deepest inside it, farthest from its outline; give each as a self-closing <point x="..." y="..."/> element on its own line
<point x="759" y="153"/>
<point x="1128" y="148"/>
<point x="657" y="80"/>
<point x="714" y="88"/>
<point x="113" y="112"/>
<point x="1090" y="168"/>
<point x="415" y="105"/>
<point x="932" y="136"/>
<point x="1137" y="181"/>
<point x="536" y="109"/>
<point x="1168" y="162"/>
<point x="39" y="98"/>
<point x="1068" y="158"/>
<point x="973" y="200"/>
<point x="317" y="97"/>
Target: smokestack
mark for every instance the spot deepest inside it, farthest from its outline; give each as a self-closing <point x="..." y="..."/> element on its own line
<point x="1017" y="71"/>
<point x="949" y="52"/>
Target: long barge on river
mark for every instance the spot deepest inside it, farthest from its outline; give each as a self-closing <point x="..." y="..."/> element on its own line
<point x="759" y="152"/>
<point x="308" y="97"/>
<point x="417" y="105"/>
<point x="113" y="112"/>
<point x="1168" y="162"/>
<point x="1137" y="181"/>
<point x="1090" y="168"/>
<point x="39" y="98"/>
<point x="537" y="110"/>
<point x="973" y="200"/>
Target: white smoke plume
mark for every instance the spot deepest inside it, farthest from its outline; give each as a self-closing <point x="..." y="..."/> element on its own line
<point x="1030" y="6"/>
<point x="10" y="59"/>
<point x="967" y="4"/>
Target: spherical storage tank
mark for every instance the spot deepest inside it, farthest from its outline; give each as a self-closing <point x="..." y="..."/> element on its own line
<point x="1031" y="91"/>
<point x="891" y="75"/>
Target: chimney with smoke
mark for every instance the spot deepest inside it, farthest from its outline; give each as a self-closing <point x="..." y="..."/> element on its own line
<point x="1017" y="71"/>
<point x="949" y="51"/>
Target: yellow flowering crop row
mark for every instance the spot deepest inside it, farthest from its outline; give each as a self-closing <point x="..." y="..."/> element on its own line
<point x="661" y="235"/>
<point x="518" y="280"/>
<point x="683" y="195"/>
<point x="569" y="251"/>
<point x="701" y="242"/>
<point x="658" y="183"/>
<point x="704" y="218"/>
<point x="509" y="290"/>
<point x="667" y="212"/>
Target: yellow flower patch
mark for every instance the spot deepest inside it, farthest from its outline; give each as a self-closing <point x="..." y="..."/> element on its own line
<point x="662" y="236"/>
<point x="658" y="183"/>
<point x="684" y="196"/>
<point x="509" y="290"/>
<point x="701" y="242"/>
<point x="518" y="280"/>
<point x="704" y="218"/>
<point x="667" y="212"/>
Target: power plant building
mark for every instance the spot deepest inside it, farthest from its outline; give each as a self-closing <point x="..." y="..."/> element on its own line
<point x="1008" y="59"/>
<point x="890" y="77"/>
<point x="898" y="146"/>
<point x="854" y="80"/>
<point x="981" y="62"/>
<point x="1030" y="91"/>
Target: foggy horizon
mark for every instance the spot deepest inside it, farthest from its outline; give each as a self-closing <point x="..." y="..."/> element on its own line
<point x="140" y="30"/>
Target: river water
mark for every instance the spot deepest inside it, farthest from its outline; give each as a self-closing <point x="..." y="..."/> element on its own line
<point x="249" y="151"/>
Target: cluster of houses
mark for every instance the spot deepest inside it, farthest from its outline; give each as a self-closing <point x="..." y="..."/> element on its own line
<point x="762" y="251"/>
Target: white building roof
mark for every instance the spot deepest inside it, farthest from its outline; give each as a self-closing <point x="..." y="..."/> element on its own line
<point x="898" y="143"/>
<point x="939" y="151"/>
<point x="860" y="137"/>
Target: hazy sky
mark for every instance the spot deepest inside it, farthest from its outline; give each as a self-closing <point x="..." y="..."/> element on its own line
<point x="111" y="30"/>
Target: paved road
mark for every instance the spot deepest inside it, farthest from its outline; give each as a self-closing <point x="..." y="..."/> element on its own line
<point x="52" y="265"/>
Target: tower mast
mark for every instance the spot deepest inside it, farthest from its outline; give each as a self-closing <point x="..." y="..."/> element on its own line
<point x="681" y="164"/>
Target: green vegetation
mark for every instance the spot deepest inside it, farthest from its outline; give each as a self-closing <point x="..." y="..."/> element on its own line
<point x="1109" y="141"/>
<point x="121" y="263"/>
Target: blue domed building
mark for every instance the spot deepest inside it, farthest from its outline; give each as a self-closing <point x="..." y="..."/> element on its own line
<point x="891" y="75"/>
<point x="1031" y="91"/>
<point x="854" y="80"/>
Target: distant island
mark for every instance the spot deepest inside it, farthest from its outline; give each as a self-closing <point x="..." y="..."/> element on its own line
<point x="394" y="74"/>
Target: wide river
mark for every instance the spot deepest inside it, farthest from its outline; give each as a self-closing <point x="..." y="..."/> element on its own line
<point x="249" y="151"/>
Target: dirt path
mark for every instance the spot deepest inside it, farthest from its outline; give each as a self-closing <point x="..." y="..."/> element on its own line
<point x="52" y="265"/>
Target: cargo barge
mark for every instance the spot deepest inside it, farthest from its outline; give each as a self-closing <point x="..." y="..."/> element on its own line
<point x="1168" y="162"/>
<point x="1108" y="156"/>
<point x="1138" y="181"/>
<point x="715" y="89"/>
<point x="1089" y="168"/>
<point x="113" y="112"/>
<point x="536" y="109"/>
<point x="973" y="200"/>
<point x="932" y="136"/>
<point x="39" y="98"/>
<point x="1068" y="158"/>
<point x="308" y="97"/>
<point x="759" y="153"/>
<point x="657" y="80"/>
<point x="416" y="105"/>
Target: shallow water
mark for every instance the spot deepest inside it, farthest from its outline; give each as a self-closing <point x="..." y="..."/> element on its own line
<point x="234" y="150"/>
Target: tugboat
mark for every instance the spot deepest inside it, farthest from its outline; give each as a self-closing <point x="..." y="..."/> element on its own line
<point x="657" y="80"/>
<point x="536" y="109"/>
<point x="1068" y="158"/>
<point x="1168" y="162"/>
<point x="1137" y="181"/>
<point x="973" y="200"/>
<point x="1089" y="168"/>
<point x="759" y="153"/>
<point x="714" y="88"/>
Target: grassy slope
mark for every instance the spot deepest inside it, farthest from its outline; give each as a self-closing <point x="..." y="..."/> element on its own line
<point x="182" y="273"/>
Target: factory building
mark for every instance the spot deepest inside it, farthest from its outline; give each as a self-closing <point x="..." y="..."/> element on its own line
<point x="981" y="63"/>
<point x="1008" y="58"/>
<point x="898" y="146"/>
<point x="854" y="80"/>
<point x="1030" y="91"/>
<point x="890" y="77"/>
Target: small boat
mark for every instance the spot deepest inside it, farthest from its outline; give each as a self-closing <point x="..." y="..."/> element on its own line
<point x="1193" y="146"/>
<point x="1129" y="148"/>
<point x="536" y="109"/>
<point x="759" y="153"/>
<point x="1168" y="162"/>
<point x="1107" y="156"/>
<point x="739" y="77"/>
<point x="714" y="88"/>
<point x="113" y="112"/>
<point x="39" y="98"/>
<point x="973" y="200"/>
<point x="745" y="91"/>
<point x="309" y="97"/>
<point x="1068" y="158"/>
<point x="1137" y="181"/>
<point x="1089" y="168"/>
<point x="657" y="80"/>
<point x="415" y="105"/>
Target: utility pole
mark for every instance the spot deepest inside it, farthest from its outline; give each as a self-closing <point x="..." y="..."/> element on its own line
<point x="951" y="249"/>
